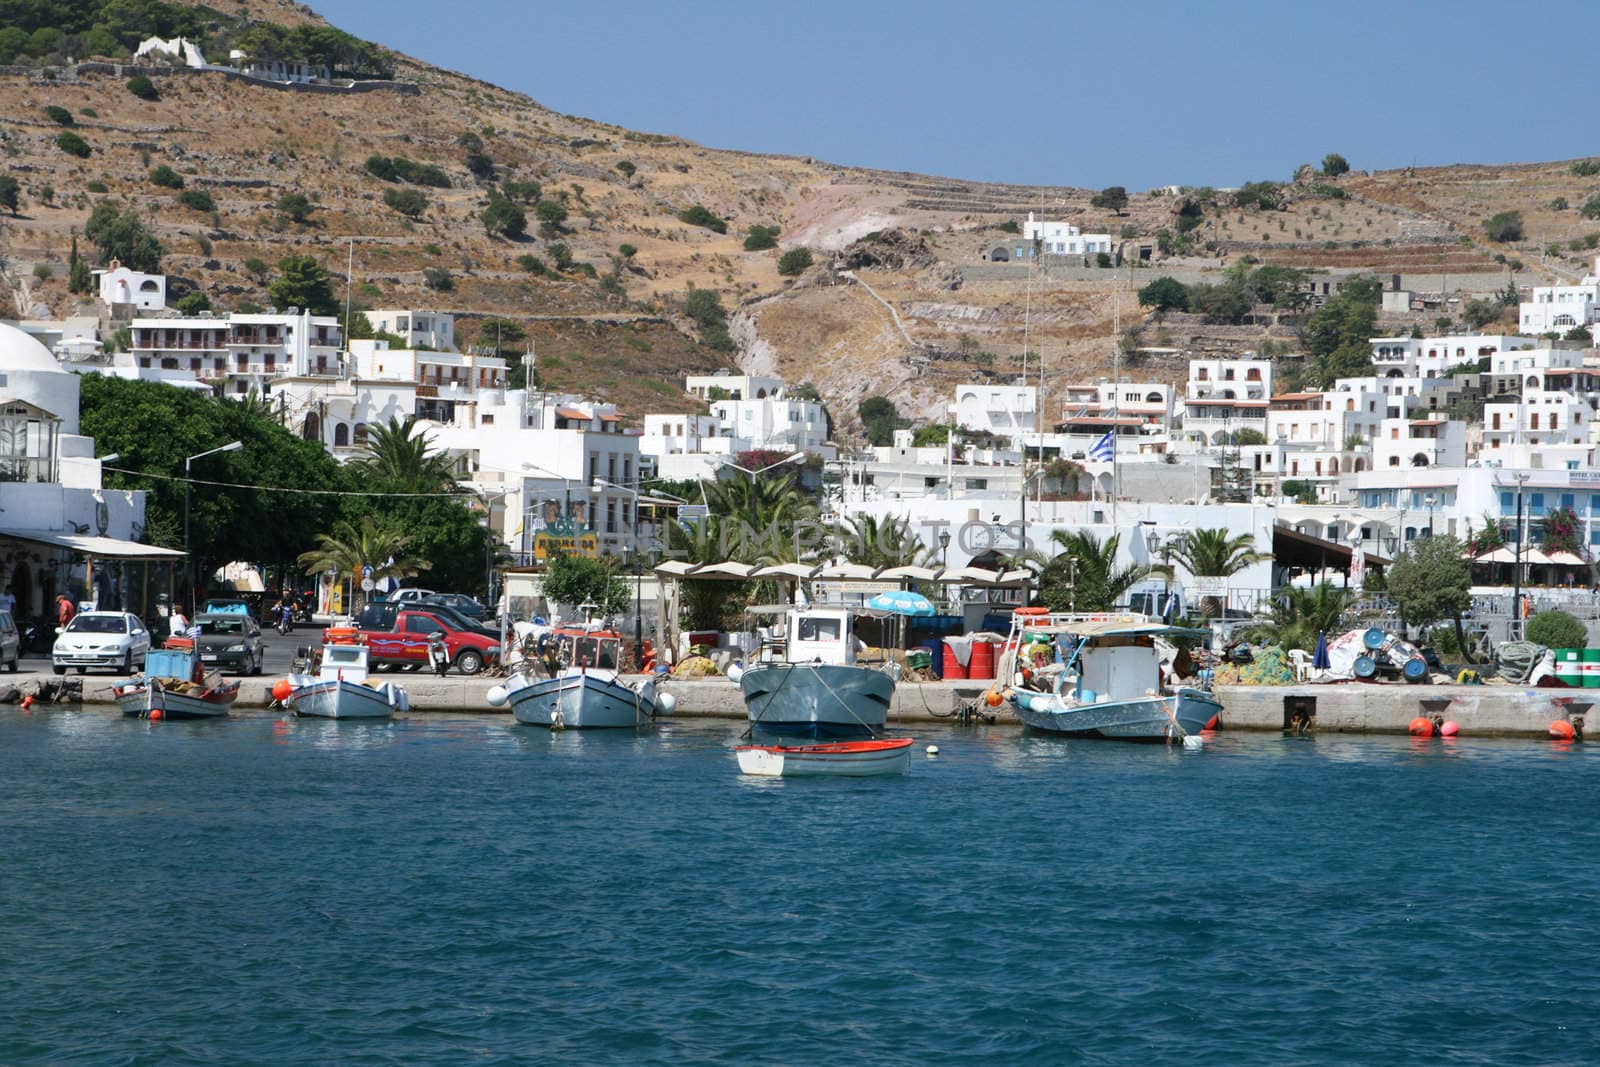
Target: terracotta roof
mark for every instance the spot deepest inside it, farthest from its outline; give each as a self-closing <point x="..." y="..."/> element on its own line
<point x="572" y="413"/>
<point x="1297" y="396"/>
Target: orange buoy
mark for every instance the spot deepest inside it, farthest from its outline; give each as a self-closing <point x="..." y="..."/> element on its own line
<point x="27" y="702"/>
<point x="993" y="698"/>
<point x="282" y="690"/>
<point x="1561" y="730"/>
<point x="155" y="715"/>
<point x="1215" y="722"/>
<point x="1449" y="729"/>
<point x="1420" y="727"/>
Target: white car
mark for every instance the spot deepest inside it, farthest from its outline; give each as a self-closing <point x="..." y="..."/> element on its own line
<point x="409" y="596"/>
<point x="114" y="639"/>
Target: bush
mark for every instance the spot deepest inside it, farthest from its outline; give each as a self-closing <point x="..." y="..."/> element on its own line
<point x="627" y="168"/>
<point x="193" y="303"/>
<point x="1506" y="226"/>
<point x="504" y="218"/>
<point x="531" y="263"/>
<point x="1165" y="294"/>
<point x="73" y="145"/>
<point x="10" y="193"/>
<point x="400" y="169"/>
<point x="701" y="216"/>
<point x="794" y="261"/>
<point x="1113" y="197"/>
<point x="166" y="177"/>
<point x="143" y="88"/>
<point x="197" y="200"/>
<point x="761" y="238"/>
<point x="296" y="206"/>
<point x="480" y="165"/>
<point x="1333" y="165"/>
<point x="1557" y="629"/>
<point x="438" y="279"/>
<point x="408" y="202"/>
<point x="560" y="255"/>
<point x="43" y="271"/>
<point x="1585" y="168"/>
<point x="550" y="213"/>
<point x="59" y="115"/>
<point x="527" y="192"/>
<point x="1102" y="259"/>
<point x="1591" y="208"/>
<point x="627" y="251"/>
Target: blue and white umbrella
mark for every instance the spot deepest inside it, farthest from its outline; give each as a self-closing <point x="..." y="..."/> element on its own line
<point x="902" y="602"/>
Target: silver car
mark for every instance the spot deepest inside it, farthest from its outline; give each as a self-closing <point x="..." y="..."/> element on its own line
<point x="112" y="639"/>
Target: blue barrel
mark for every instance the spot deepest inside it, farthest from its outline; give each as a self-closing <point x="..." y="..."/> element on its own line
<point x="1374" y="638"/>
<point x="1366" y="666"/>
<point x="1415" y="669"/>
<point x="936" y="653"/>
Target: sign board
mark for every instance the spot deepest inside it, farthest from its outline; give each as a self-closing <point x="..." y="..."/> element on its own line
<point x="1208" y="585"/>
<point x="565" y="537"/>
<point x="366" y="572"/>
<point x="688" y="513"/>
<point x="367" y="585"/>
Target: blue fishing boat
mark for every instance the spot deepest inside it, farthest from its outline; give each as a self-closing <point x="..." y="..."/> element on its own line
<point x="807" y="684"/>
<point x="582" y="689"/>
<point x="175" y="685"/>
<point x="1101" y="675"/>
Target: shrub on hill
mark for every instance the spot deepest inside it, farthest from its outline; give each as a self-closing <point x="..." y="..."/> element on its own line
<point x="1585" y="168"/>
<point x="1165" y="294"/>
<point x="761" y="237"/>
<point x="10" y="193"/>
<point x="795" y="261"/>
<point x="531" y="263"/>
<point x="120" y="235"/>
<point x="401" y="169"/>
<point x="1333" y="165"/>
<point x="526" y="191"/>
<point x="408" y="202"/>
<point x="438" y="279"/>
<point x="627" y="168"/>
<point x="1503" y="227"/>
<point x="1591" y="209"/>
<point x="193" y="303"/>
<point x="701" y="216"/>
<point x="73" y="145"/>
<point x="296" y="206"/>
<point x="59" y="115"/>
<point x="166" y="177"/>
<point x="1113" y="197"/>
<point x="504" y="218"/>
<point x="197" y="200"/>
<point x="143" y="88"/>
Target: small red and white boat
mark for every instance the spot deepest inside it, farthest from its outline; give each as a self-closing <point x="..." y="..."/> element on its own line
<point x="838" y="759"/>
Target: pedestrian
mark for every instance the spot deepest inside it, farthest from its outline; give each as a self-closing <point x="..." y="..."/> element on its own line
<point x="177" y="625"/>
<point x="64" y="610"/>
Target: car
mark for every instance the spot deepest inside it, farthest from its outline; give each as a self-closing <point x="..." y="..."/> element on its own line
<point x="408" y="596"/>
<point x="381" y="616"/>
<point x="10" y="641"/>
<point x="461" y="605"/>
<point x="112" y="639"/>
<point x="230" y="641"/>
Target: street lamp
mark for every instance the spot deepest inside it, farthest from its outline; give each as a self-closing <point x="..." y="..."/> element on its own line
<point x="944" y="550"/>
<point x="1516" y="566"/>
<point x="1428" y="500"/>
<point x="231" y="446"/>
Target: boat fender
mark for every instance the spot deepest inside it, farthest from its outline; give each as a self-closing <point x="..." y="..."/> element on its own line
<point x="933" y="750"/>
<point x="666" y="703"/>
<point x="498" y="695"/>
<point x="993" y="698"/>
<point x="155" y="714"/>
<point x="282" y="690"/>
<point x="735" y="672"/>
<point x="1449" y="729"/>
<point x="1420" y="727"/>
<point x="1564" y="730"/>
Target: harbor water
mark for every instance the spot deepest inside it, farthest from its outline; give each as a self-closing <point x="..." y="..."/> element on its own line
<point x="446" y="890"/>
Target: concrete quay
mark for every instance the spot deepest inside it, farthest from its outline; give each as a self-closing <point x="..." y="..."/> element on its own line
<point x="1350" y="707"/>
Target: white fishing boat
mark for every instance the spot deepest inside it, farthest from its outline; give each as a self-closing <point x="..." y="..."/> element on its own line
<point x="175" y="685"/>
<point x="841" y="759"/>
<point x="805" y="682"/>
<point x="581" y="688"/>
<point x="338" y="686"/>
<point x="1100" y="675"/>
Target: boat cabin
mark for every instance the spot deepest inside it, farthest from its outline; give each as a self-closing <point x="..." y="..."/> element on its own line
<point x="820" y="635"/>
<point x="346" y="661"/>
<point x="592" y="649"/>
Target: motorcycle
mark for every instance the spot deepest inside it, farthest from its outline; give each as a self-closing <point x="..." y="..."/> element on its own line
<point x="285" y="620"/>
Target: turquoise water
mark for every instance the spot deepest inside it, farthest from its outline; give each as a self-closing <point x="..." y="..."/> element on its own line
<point x="441" y="890"/>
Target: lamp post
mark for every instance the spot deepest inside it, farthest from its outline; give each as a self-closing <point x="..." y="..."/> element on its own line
<point x="1516" y="566"/>
<point x="1428" y="499"/>
<point x="944" y="550"/>
<point x="188" y="463"/>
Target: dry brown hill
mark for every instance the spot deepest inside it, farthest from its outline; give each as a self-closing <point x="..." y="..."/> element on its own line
<point x="954" y="315"/>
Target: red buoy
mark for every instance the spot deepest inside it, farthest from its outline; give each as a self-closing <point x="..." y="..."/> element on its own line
<point x="1215" y="722"/>
<point x="27" y="702"/>
<point x="1449" y="729"/>
<point x="282" y="690"/>
<point x="1561" y="730"/>
<point x="155" y="714"/>
<point x="1420" y="727"/>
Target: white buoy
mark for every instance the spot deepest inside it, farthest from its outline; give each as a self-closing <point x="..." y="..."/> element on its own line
<point x="735" y="672"/>
<point x="497" y="695"/>
<point x="666" y="703"/>
<point x="1193" y="741"/>
<point x="933" y="750"/>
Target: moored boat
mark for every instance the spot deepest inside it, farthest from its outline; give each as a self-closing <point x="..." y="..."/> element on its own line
<point x="807" y="684"/>
<point x="340" y="687"/>
<point x="582" y="689"/>
<point x="1100" y="675"/>
<point x="842" y="759"/>
<point x="175" y="685"/>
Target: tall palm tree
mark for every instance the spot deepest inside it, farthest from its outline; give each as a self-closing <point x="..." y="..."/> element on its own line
<point x="887" y="542"/>
<point x="399" y="455"/>
<point x="1099" y="582"/>
<point x="1212" y="553"/>
<point x="1298" y="615"/>
<point x="770" y="506"/>
<point x="351" y="548"/>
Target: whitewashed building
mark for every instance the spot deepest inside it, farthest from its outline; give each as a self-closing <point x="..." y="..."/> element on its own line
<point x="1059" y="239"/>
<point x="1559" y="308"/>
<point x="1004" y="410"/>
<point x="117" y="286"/>
<point x="1432" y="357"/>
<point x="726" y="385"/>
<point x="417" y="329"/>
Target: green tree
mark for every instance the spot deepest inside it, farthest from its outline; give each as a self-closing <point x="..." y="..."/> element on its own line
<point x="197" y="200"/>
<point x="1248" y="436"/>
<point x="1223" y="303"/>
<point x="193" y="303"/>
<point x="1432" y="581"/>
<point x="886" y="542"/>
<point x="1590" y="209"/>
<point x="1333" y="165"/>
<point x="1100" y="583"/>
<point x="409" y="202"/>
<point x="1165" y="294"/>
<point x="504" y="218"/>
<point x="143" y="88"/>
<point x="531" y="263"/>
<point x="761" y="238"/>
<point x="1299" y="615"/>
<point x="58" y="115"/>
<point x="295" y="206"/>
<point x="10" y="193"/>
<point x="353" y="546"/>
<point x="1504" y="227"/>
<point x="795" y="261"/>
<point x="1113" y="197"/>
<point x="525" y="192"/>
<point x="701" y="216"/>
<point x="72" y="144"/>
<point x="1557" y="629"/>
<point x="304" y="283"/>
<point x="1338" y="334"/>
<point x="704" y="306"/>
<point x="502" y="336"/>
<point x="550" y="213"/>
<point x="879" y="419"/>
<point x="399" y="457"/>
<point x="1479" y="313"/>
<point x="572" y="581"/>
<point x="120" y="235"/>
<point x="257" y="269"/>
<point x="627" y="168"/>
<point x="560" y="255"/>
<point x="166" y="177"/>
<point x="438" y="279"/>
<point x="1213" y="553"/>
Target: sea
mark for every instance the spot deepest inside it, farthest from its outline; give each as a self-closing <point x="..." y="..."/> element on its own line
<point x="462" y="890"/>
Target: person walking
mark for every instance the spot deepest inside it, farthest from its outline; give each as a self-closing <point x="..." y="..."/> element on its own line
<point x="64" y="610"/>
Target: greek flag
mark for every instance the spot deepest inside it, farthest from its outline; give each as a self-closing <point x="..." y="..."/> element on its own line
<point x="1105" y="449"/>
<point x="193" y="631"/>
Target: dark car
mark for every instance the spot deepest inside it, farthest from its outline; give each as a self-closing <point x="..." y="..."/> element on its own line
<point x="230" y="642"/>
<point x="381" y="616"/>
<point x="461" y="605"/>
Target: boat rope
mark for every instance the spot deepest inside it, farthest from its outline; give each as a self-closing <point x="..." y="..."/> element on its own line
<point x="788" y="674"/>
<point x="848" y="709"/>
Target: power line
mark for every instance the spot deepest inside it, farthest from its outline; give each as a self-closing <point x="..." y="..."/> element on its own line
<point x="285" y="489"/>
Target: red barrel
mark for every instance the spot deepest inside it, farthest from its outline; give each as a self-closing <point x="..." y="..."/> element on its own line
<point x="982" y="663"/>
<point x="953" y="668"/>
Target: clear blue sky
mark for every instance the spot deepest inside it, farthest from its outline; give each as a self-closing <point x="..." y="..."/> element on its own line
<point x="1138" y="93"/>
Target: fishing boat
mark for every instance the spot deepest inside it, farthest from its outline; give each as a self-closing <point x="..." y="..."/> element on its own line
<point x="838" y="759"/>
<point x="581" y="688"/>
<point x="1100" y="675"/>
<point x="338" y="685"/>
<point x="175" y="685"/>
<point x="805" y="682"/>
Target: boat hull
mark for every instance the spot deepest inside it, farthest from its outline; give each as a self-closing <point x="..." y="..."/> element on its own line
<point x="143" y="700"/>
<point x="341" y="699"/>
<point x="816" y="701"/>
<point x="1140" y="719"/>
<point x="848" y="759"/>
<point x="583" y="702"/>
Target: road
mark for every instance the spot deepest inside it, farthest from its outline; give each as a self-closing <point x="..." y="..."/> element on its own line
<point x="279" y="652"/>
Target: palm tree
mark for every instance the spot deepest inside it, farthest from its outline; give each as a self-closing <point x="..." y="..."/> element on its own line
<point x="399" y="455"/>
<point x="1099" y="583"/>
<point x="350" y="548"/>
<point x="770" y="506"/>
<point x="1212" y="553"/>
<point x="1298" y="615"/>
<point x="889" y="542"/>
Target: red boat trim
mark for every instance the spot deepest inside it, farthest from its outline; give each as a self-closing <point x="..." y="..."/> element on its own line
<point x="834" y="748"/>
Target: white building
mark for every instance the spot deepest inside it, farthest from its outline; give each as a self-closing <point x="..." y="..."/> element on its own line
<point x="1060" y="239"/>
<point x="1151" y="403"/>
<point x="775" y="423"/>
<point x="725" y="385"/>
<point x="241" y="353"/>
<point x="1539" y="430"/>
<point x="688" y="446"/>
<point x="418" y="329"/>
<point x="1559" y="308"/>
<point x="1224" y="396"/>
<point x="1432" y="357"/>
<point x="1004" y="410"/>
<point x="1431" y="441"/>
<point x="117" y="285"/>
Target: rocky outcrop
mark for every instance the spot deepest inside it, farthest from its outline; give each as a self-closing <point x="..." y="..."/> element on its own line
<point x="887" y="250"/>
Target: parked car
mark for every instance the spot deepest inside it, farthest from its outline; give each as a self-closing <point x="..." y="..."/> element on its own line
<point x="456" y="602"/>
<point x="10" y="641"/>
<point x="114" y="639"/>
<point x="230" y="642"/>
<point x="403" y="642"/>
<point x="381" y="616"/>
<point x="408" y="596"/>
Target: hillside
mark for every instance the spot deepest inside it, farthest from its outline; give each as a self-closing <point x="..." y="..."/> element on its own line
<point x="920" y="243"/>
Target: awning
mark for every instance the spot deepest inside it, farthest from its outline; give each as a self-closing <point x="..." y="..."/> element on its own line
<point x="103" y="547"/>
